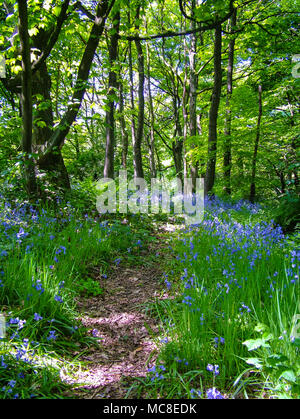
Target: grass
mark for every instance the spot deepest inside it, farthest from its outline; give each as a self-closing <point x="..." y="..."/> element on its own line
<point x="235" y="279"/>
<point x="228" y="324"/>
<point x="46" y="261"/>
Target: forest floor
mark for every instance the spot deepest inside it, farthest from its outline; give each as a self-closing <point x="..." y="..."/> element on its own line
<point x="125" y="328"/>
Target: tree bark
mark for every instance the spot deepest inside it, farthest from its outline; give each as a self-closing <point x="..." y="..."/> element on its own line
<point x="152" y="118"/>
<point x="51" y="158"/>
<point x="256" y="144"/>
<point x="61" y="131"/>
<point x="133" y="125"/>
<point x="227" y="131"/>
<point x="124" y="133"/>
<point x="185" y="96"/>
<point x="294" y="147"/>
<point x="177" y="145"/>
<point x="26" y="101"/>
<point x="137" y="153"/>
<point x="193" y="97"/>
<point x="43" y="128"/>
<point x="112" y="88"/>
<point x="213" y="112"/>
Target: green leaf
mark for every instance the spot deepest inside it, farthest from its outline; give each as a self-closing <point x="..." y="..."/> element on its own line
<point x="289" y="376"/>
<point x="260" y="328"/>
<point x="267" y="336"/>
<point x="33" y="31"/>
<point x="56" y="10"/>
<point x="276" y="359"/>
<point x="257" y="362"/>
<point x="253" y="344"/>
<point x="41" y="124"/>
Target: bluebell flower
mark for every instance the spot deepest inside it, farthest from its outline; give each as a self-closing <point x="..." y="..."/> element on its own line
<point x="74" y="328"/>
<point x="11" y="383"/>
<point x="210" y="367"/>
<point x="213" y="393"/>
<point x="168" y="284"/>
<point x="52" y="335"/>
<point x="245" y="308"/>
<point x="58" y="298"/>
<point x="21" y="234"/>
<point x="38" y="286"/>
<point x="213" y="368"/>
<point x="195" y="393"/>
<point x="37" y="317"/>
<point x="17" y="321"/>
<point x="2" y="363"/>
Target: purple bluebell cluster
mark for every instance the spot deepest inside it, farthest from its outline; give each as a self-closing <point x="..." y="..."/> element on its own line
<point x="14" y="365"/>
<point x="182" y="361"/>
<point x="156" y="372"/>
<point x="219" y="341"/>
<point x="214" y="369"/>
<point x="52" y="335"/>
<point x="213" y="393"/>
<point x="230" y="271"/>
<point x="194" y="393"/>
<point x="38" y="286"/>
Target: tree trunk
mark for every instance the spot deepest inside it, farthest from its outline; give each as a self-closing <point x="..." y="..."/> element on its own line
<point x="193" y="97"/>
<point x="137" y="153"/>
<point x="61" y="131"/>
<point x="51" y="157"/>
<point x="177" y="145"/>
<point x="26" y="101"/>
<point x="185" y="97"/>
<point x="152" y="118"/>
<point x="133" y="125"/>
<point x="294" y="147"/>
<point x="240" y="165"/>
<point x="256" y="144"/>
<point x="43" y="128"/>
<point x="227" y="130"/>
<point x="124" y="133"/>
<point x="213" y="112"/>
<point x="112" y="88"/>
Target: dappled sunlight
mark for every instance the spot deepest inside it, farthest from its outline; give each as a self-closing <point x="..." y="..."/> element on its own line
<point x="104" y="375"/>
<point x="122" y="328"/>
<point x="114" y="320"/>
<point x="149" y="199"/>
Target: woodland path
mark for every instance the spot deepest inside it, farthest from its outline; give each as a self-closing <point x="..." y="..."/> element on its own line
<point x="124" y="328"/>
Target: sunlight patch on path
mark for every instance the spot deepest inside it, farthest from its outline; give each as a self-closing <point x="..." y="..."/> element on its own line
<point x="124" y="330"/>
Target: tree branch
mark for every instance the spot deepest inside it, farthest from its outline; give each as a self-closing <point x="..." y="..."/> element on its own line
<point x="79" y="6"/>
<point x="61" y="131"/>
<point x="53" y="37"/>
